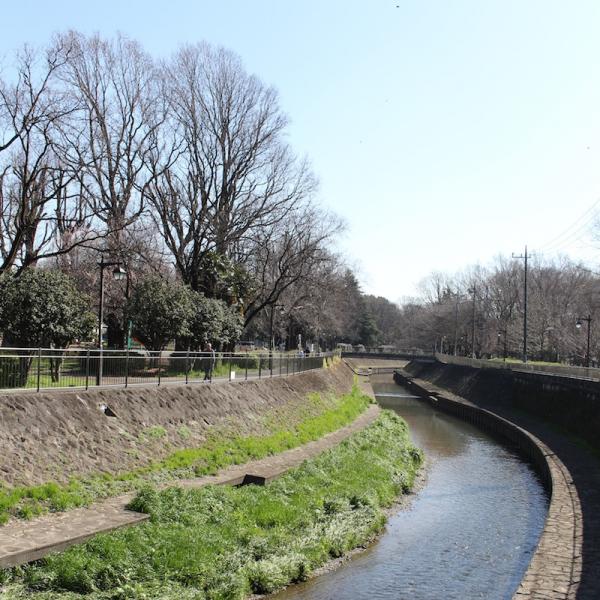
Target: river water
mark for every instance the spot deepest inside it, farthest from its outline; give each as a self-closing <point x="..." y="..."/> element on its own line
<point x="469" y="533"/>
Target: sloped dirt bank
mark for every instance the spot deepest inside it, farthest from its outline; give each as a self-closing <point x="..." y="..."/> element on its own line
<point x="60" y="434"/>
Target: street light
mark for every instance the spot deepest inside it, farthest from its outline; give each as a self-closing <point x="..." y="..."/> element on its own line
<point x="119" y="273"/>
<point x="289" y="312"/>
<point x="503" y="334"/>
<point x="579" y="324"/>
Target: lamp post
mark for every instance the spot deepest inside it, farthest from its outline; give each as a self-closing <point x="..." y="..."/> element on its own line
<point x="119" y="273"/>
<point x="503" y="334"/>
<point x="579" y="324"/>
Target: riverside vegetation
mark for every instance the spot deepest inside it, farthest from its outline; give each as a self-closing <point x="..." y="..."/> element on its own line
<point x="321" y="415"/>
<point x="222" y="542"/>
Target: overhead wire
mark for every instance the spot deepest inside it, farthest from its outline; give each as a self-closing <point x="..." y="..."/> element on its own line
<point x="576" y="225"/>
<point x="568" y="242"/>
<point x="573" y="233"/>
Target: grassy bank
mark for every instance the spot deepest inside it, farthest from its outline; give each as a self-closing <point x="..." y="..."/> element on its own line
<point x="223" y="542"/>
<point x="220" y="449"/>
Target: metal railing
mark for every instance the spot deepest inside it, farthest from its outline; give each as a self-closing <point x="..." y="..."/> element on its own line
<point x="591" y="373"/>
<point x="55" y="368"/>
<point x="366" y="371"/>
<point x="391" y="351"/>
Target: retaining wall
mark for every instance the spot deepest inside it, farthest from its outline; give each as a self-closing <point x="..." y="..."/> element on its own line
<point x="570" y="403"/>
<point x="55" y="435"/>
<point x="556" y="568"/>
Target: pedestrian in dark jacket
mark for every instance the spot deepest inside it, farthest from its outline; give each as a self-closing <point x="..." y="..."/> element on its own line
<point x="209" y="361"/>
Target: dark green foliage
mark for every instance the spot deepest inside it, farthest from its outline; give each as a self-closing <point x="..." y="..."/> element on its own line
<point x="43" y="308"/>
<point x="219" y="277"/>
<point x="206" y="322"/>
<point x="40" y="308"/>
<point x="368" y="332"/>
<point x="164" y="310"/>
<point x="232" y="326"/>
<point x="160" y="310"/>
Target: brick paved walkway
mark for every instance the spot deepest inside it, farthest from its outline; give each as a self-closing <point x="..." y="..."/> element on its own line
<point x="24" y="541"/>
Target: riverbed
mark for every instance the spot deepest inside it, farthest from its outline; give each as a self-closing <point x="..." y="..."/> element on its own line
<point x="469" y="533"/>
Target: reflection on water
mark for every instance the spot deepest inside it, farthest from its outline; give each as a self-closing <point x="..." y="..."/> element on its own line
<point x="470" y="532"/>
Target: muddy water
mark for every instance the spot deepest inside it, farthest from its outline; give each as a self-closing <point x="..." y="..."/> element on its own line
<point x="469" y="533"/>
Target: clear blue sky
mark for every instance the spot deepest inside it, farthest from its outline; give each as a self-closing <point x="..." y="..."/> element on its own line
<point x="445" y="132"/>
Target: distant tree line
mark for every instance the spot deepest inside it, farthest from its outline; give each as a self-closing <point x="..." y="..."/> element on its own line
<point x="481" y="311"/>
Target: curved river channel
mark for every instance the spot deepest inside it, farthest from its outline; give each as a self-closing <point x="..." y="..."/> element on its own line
<point x="469" y="533"/>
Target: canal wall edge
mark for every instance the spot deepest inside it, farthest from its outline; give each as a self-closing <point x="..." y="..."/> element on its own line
<point x="555" y="567"/>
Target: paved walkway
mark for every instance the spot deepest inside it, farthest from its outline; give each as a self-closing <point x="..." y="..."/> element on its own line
<point x="24" y="541"/>
<point x="566" y="563"/>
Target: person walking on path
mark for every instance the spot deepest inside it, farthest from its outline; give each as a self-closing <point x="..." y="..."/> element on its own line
<point x="210" y="360"/>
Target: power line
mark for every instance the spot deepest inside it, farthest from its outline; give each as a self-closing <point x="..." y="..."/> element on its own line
<point x="559" y="240"/>
<point x="572" y="238"/>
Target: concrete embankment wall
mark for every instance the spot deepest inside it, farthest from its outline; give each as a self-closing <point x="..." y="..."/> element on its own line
<point x="572" y="404"/>
<point x="563" y="565"/>
<point x="59" y="434"/>
<point x="495" y="425"/>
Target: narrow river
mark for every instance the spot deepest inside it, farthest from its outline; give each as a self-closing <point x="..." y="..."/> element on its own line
<point x="469" y="533"/>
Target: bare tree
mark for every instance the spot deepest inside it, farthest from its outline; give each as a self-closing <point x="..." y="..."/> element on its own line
<point x="288" y="255"/>
<point x="41" y="213"/>
<point x="116" y="88"/>
<point x="229" y="173"/>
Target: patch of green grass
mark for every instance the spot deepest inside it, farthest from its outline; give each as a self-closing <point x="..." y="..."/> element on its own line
<point x="184" y="432"/>
<point x="225" y="542"/>
<point x="217" y="453"/>
<point x="220" y="450"/>
<point x="154" y="433"/>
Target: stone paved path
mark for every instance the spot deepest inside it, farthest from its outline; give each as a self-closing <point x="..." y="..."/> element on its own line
<point x="24" y="541"/>
<point x="566" y="564"/>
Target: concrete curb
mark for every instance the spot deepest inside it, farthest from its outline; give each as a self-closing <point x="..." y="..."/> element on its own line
<point x="555" y="568"/>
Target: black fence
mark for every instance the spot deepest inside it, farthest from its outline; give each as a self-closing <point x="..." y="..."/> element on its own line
<point x="53" y="368"/>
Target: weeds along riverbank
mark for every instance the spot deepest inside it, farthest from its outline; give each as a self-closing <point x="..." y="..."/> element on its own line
<point x="221" y="542"/>
<point x="321" y="414"/>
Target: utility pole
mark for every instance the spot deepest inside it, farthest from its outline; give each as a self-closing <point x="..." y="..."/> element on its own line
<point x="525" y="258"/>
<point x="456" y="322"/>
<point x="473" y="290"/>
